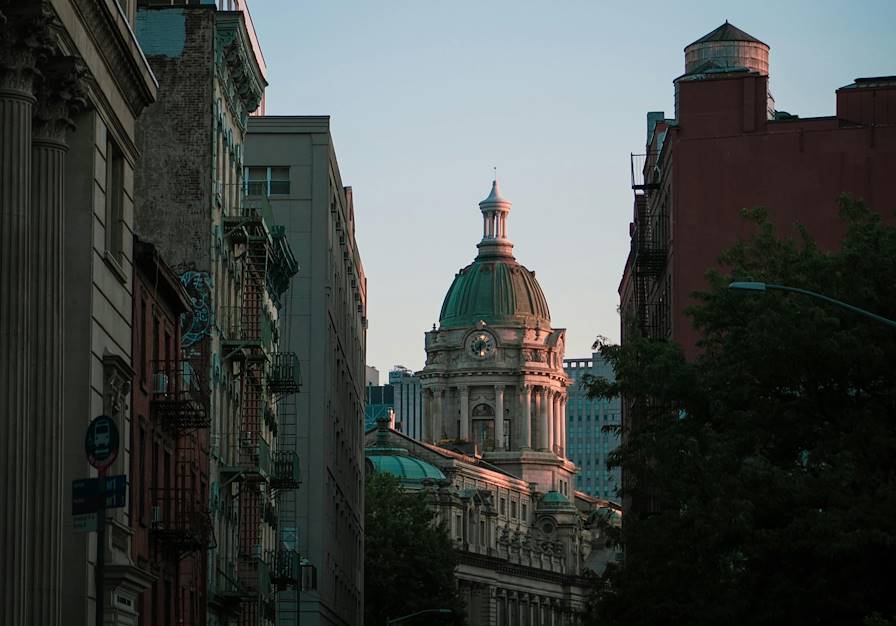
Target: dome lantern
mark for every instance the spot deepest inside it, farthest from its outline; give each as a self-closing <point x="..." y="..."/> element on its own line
<point x="494" y="225"/>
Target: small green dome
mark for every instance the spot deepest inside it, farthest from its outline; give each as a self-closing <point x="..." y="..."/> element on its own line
<point x="497" y="291"/>
<point x="407" y="468"/>
<point x="555" y="500"/>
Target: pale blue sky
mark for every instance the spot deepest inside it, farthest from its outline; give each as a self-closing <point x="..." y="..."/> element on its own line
<point x="427" y="96"/>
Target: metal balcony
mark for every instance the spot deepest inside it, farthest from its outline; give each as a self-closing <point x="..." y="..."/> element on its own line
<point x="285" y="568"/>
<point x="250" y="461"/>
<point x="286" y="470"/>
<point x="284" y="374"/>
<point x="254" y="575"/>
<point x="179" y="398"/>
<point x="181" y="523"/>
<point x="644" y="171"/>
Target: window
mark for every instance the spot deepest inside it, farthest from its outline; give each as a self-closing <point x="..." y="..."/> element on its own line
<point x="114" y="199"/>
<point x="513" y="509"/>
<point x="503" y="506"/>
<point x="267" y="181"/>
<point x="524" y="515"/>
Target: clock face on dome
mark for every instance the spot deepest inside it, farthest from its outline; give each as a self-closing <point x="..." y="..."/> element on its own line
<point x="481" y="344"/>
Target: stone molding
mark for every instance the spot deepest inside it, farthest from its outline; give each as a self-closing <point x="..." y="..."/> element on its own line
<point x="138" y="87"/>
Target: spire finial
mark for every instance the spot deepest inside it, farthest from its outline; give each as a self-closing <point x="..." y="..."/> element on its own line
<point x="495" y="167"/>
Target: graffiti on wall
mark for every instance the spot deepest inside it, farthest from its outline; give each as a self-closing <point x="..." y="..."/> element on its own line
<point x="197" y="324"/>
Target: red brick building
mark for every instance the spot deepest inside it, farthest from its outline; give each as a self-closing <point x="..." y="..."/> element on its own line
<point x="727" y="148"/>
<point x="169" y="461"/>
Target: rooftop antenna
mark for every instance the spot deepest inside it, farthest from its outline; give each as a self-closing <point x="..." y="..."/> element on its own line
<point x="495" y="167"/>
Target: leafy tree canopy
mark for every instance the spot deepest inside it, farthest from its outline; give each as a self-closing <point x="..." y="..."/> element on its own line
<point x="771" y="458"/>
<point x="408" y="558"/>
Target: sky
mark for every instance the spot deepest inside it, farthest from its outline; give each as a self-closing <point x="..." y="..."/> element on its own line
<point x="426" y="97"/>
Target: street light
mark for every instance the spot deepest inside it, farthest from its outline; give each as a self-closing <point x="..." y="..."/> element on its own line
<point x="753" y="286"/>
<point x="389" y="622"/>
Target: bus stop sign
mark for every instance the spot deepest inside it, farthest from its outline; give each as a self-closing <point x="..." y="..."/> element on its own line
<point x="101" y="442"/>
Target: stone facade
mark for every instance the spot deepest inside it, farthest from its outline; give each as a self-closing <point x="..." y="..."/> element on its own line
<point x="494" y="424"/>
<point x="72" y="82"/>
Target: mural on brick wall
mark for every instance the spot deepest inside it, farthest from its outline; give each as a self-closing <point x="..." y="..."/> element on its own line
<point x="197" y="324"/>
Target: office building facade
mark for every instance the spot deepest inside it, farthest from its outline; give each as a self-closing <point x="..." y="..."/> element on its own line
<point x="592" y="426"/>
<point x="324" y="319"/>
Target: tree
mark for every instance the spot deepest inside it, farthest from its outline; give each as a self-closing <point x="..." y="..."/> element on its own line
<point x="408" y="558"/>
<point x="772" y="456"/>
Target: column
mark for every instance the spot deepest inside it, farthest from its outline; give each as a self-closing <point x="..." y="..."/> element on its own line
<point x="549" y="410"/>
<point x="558" y="425"/>
<point x="51" y="121"/>
<point x="542" y="406"/>
<point x="525" y="437"/>
<point x="499" y="417"/>
<point x="563" y="425"/>
<point x="438" y="427"/>
<point x="444" y="413"/>
<point x="426" y="422"/>
<point x="464" y="391"/>
<point x="17" y="68"/>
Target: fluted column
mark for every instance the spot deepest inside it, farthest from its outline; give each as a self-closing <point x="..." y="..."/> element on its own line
<point x="549" y="409"/>
<point x="47" y="248"/>
<point x="544" y="440"/>
<point x="16" y="488"/>
<point x="499" y="417"/>
<point x="464" y="392"/>
<point x="525" y="437"/>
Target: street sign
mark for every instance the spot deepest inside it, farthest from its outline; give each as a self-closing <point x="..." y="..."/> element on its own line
<point x="85" y="494"/>
<point x="84" y="523"/>
<point x="101" y="442"/>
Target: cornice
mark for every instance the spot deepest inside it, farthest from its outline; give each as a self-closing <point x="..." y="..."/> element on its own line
<point x="236" y="48"/>
<point x="121" y="54"/>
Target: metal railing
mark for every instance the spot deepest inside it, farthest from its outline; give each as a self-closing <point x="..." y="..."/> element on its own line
<point x="284" y="374"/>
<point x="179" y="396"/>
<point x="286" y="474"/>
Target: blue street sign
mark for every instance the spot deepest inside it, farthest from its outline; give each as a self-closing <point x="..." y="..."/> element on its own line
<point x="101" y="442"/>
<point x="85" y="494"/>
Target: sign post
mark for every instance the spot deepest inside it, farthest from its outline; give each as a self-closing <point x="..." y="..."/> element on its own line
<point x="101" y="445"/>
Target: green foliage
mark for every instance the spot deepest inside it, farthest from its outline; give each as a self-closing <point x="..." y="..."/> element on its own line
<point x="408" y="558"/>
<point x="771" y="458"/>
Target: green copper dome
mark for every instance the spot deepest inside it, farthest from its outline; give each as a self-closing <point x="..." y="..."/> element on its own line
<point x="409" y="469"/>
<point x="497" y="291"/>
<point x="494" y="288"/>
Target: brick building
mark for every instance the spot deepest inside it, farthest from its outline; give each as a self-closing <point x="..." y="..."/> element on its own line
<point x="169" y="449"/>
<point x="728" y="148"/>
<point x="236" y="264"/>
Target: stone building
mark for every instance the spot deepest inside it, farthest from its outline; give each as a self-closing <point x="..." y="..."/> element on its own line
<point x="494" y="425"/>
<point x="236" y="264"/>
<point x="72" y="83"/>
<point x="324" y="319"/>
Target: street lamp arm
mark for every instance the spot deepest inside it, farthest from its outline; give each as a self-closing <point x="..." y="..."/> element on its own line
<point x="755" y="286"/>
<point x="390" y="622"/>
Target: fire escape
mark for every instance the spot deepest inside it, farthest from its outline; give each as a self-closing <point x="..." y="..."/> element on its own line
<point x="181" y="521"/>
<point x="650" y="247"/>
<point x="249" y="340"/>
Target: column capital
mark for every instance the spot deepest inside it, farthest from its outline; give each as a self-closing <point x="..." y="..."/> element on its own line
<point x="25" y="37"/>
<point x="60" y="94"/>
<point x="499" y="387"/>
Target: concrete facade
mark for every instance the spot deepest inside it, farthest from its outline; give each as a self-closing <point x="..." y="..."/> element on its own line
<point x="72" y="82"/>
<point x="324" y="321"/>
<point x="591" y="426"/>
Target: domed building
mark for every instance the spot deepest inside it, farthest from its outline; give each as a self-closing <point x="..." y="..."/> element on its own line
<point x="494" y="424"/>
